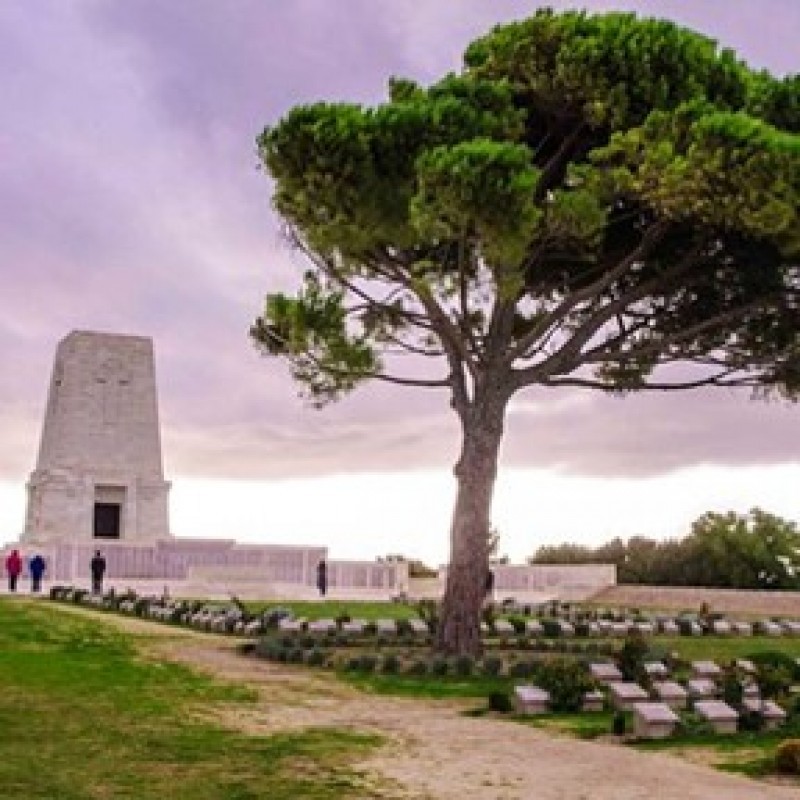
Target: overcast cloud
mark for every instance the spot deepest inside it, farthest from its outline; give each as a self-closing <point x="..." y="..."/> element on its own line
<point x="130" y="201"/>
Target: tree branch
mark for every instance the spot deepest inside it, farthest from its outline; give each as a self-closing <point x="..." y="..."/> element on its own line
<point x="571" y="301"/>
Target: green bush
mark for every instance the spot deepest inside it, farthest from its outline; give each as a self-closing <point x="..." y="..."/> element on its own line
<point x="732" y="686"/>
<point x="315" y="657"/>
<point x="522" y="669"/>
<point x="390" y="664"/>
<point x="582" y="629"/>
<point x="492" y="666"/>
<point x="551" y="628"/>
<point x="776" y="659"/>
<point x="519" y="625"/>
<point x="500" y="702"/>
<point x="566" y="680"/>
<point x="750" y="721"/>
<point x="632" y="657"/>
<point x="464" y="666"/>
<point x="418" y="667"/>
<point x="428" y="611"/>
<point x="787" y="757"/>
<point x="439" y="666"/>
<point x="774" y="682"/>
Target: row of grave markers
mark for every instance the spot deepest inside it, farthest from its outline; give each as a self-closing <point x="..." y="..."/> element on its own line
<point x="654" y="715"/>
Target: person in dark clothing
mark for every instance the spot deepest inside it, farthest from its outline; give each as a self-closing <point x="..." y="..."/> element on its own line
<point x="98" y="567"/>
<point x="488" y="587"/>
<point x="13" y="569"/>
<point x="36" y="567"/>
<point x="322" y="578"/>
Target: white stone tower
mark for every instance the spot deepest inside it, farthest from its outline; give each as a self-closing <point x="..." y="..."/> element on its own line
<point x="99" y="473"/>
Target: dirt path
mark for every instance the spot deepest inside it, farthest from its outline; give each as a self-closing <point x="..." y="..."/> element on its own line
<point x="435" y="753"/>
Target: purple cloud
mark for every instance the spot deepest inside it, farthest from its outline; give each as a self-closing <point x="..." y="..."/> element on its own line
<point x="130" y="202"/>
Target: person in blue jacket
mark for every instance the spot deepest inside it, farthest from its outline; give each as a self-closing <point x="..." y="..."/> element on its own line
<point x="36" y="568"/>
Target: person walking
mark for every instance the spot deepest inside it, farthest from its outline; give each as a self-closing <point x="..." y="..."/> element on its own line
<point x="98" y="567"/>
<point x="13" y="569"/>
<point x="322" y="578"/>
<point x="36" y="568"/>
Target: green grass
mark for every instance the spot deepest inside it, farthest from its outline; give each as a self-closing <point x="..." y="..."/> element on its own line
<point x="581" y="725"/>
<point x="330" y="609"/>
<point x="748" y="752"/>
<point x="428" y="685"/>
<point x="722" y="649"/>
<point x="92" y="720"/>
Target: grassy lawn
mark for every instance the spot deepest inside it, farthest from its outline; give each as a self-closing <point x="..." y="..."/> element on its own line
<point x="428" y="685"/>
<point x="723" y="649"/>
<point x="750" y="753"/>
<point x="85" y="718"/>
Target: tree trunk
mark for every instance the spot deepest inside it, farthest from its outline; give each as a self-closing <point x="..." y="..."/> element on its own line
<point x="458" y="632"/>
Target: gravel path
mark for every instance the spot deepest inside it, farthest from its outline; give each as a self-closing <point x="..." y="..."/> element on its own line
<point x="434" y="752"/>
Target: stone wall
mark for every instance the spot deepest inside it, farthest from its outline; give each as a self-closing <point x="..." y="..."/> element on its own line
<point x="690" y="598"/>
<point x="219" y="567"/>
<point x="538" y="583"/>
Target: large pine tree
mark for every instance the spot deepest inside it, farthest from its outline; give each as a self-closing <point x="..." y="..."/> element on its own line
<point x="595" y="201"/>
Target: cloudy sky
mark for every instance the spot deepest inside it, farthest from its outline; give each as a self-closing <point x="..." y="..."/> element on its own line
<point x="131" y="202"/>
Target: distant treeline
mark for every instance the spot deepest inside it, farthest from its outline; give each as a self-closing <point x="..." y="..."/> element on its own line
<point x="752" y="551"/>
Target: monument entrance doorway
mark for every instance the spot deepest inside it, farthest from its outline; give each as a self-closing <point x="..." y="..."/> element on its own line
<point x="107" y="520"/>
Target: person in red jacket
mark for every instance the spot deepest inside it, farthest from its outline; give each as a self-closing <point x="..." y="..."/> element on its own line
<point x="13" y="569"/>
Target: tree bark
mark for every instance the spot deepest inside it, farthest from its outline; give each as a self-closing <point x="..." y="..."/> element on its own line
<point x="458" y="632"/>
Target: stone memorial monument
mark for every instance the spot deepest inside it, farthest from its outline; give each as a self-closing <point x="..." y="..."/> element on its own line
<point x="99" y="472"/>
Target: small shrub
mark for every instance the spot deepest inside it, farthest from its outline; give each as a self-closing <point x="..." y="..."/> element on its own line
<point x="272" y="616"/>
<point x="551" y="628"/>
<point x="519" y="625"/>
<point x="692" y="724"/>
<point x="417" y="667"/>
<point x="353" y="664"/>
<point x="750" y="721"/>
<point x="439" y="666"/>
<point x="787" y="757"/>
<point x="631" y="658"/>
<point x="732" y="690"/>
<point x="315" y="657"/>
<point x="428" y="612"/>
<point x="464" y="666"/>
<point x="522" y="669"/>
<point x="492" y="666"/>
<point x="500" y="702"/>
<point x="295" y="655"/>
<point x="774" y="681"/>
<point x="390" y="664"/>
<point x="566" y="680"/>
<point x="368" y="663"/>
